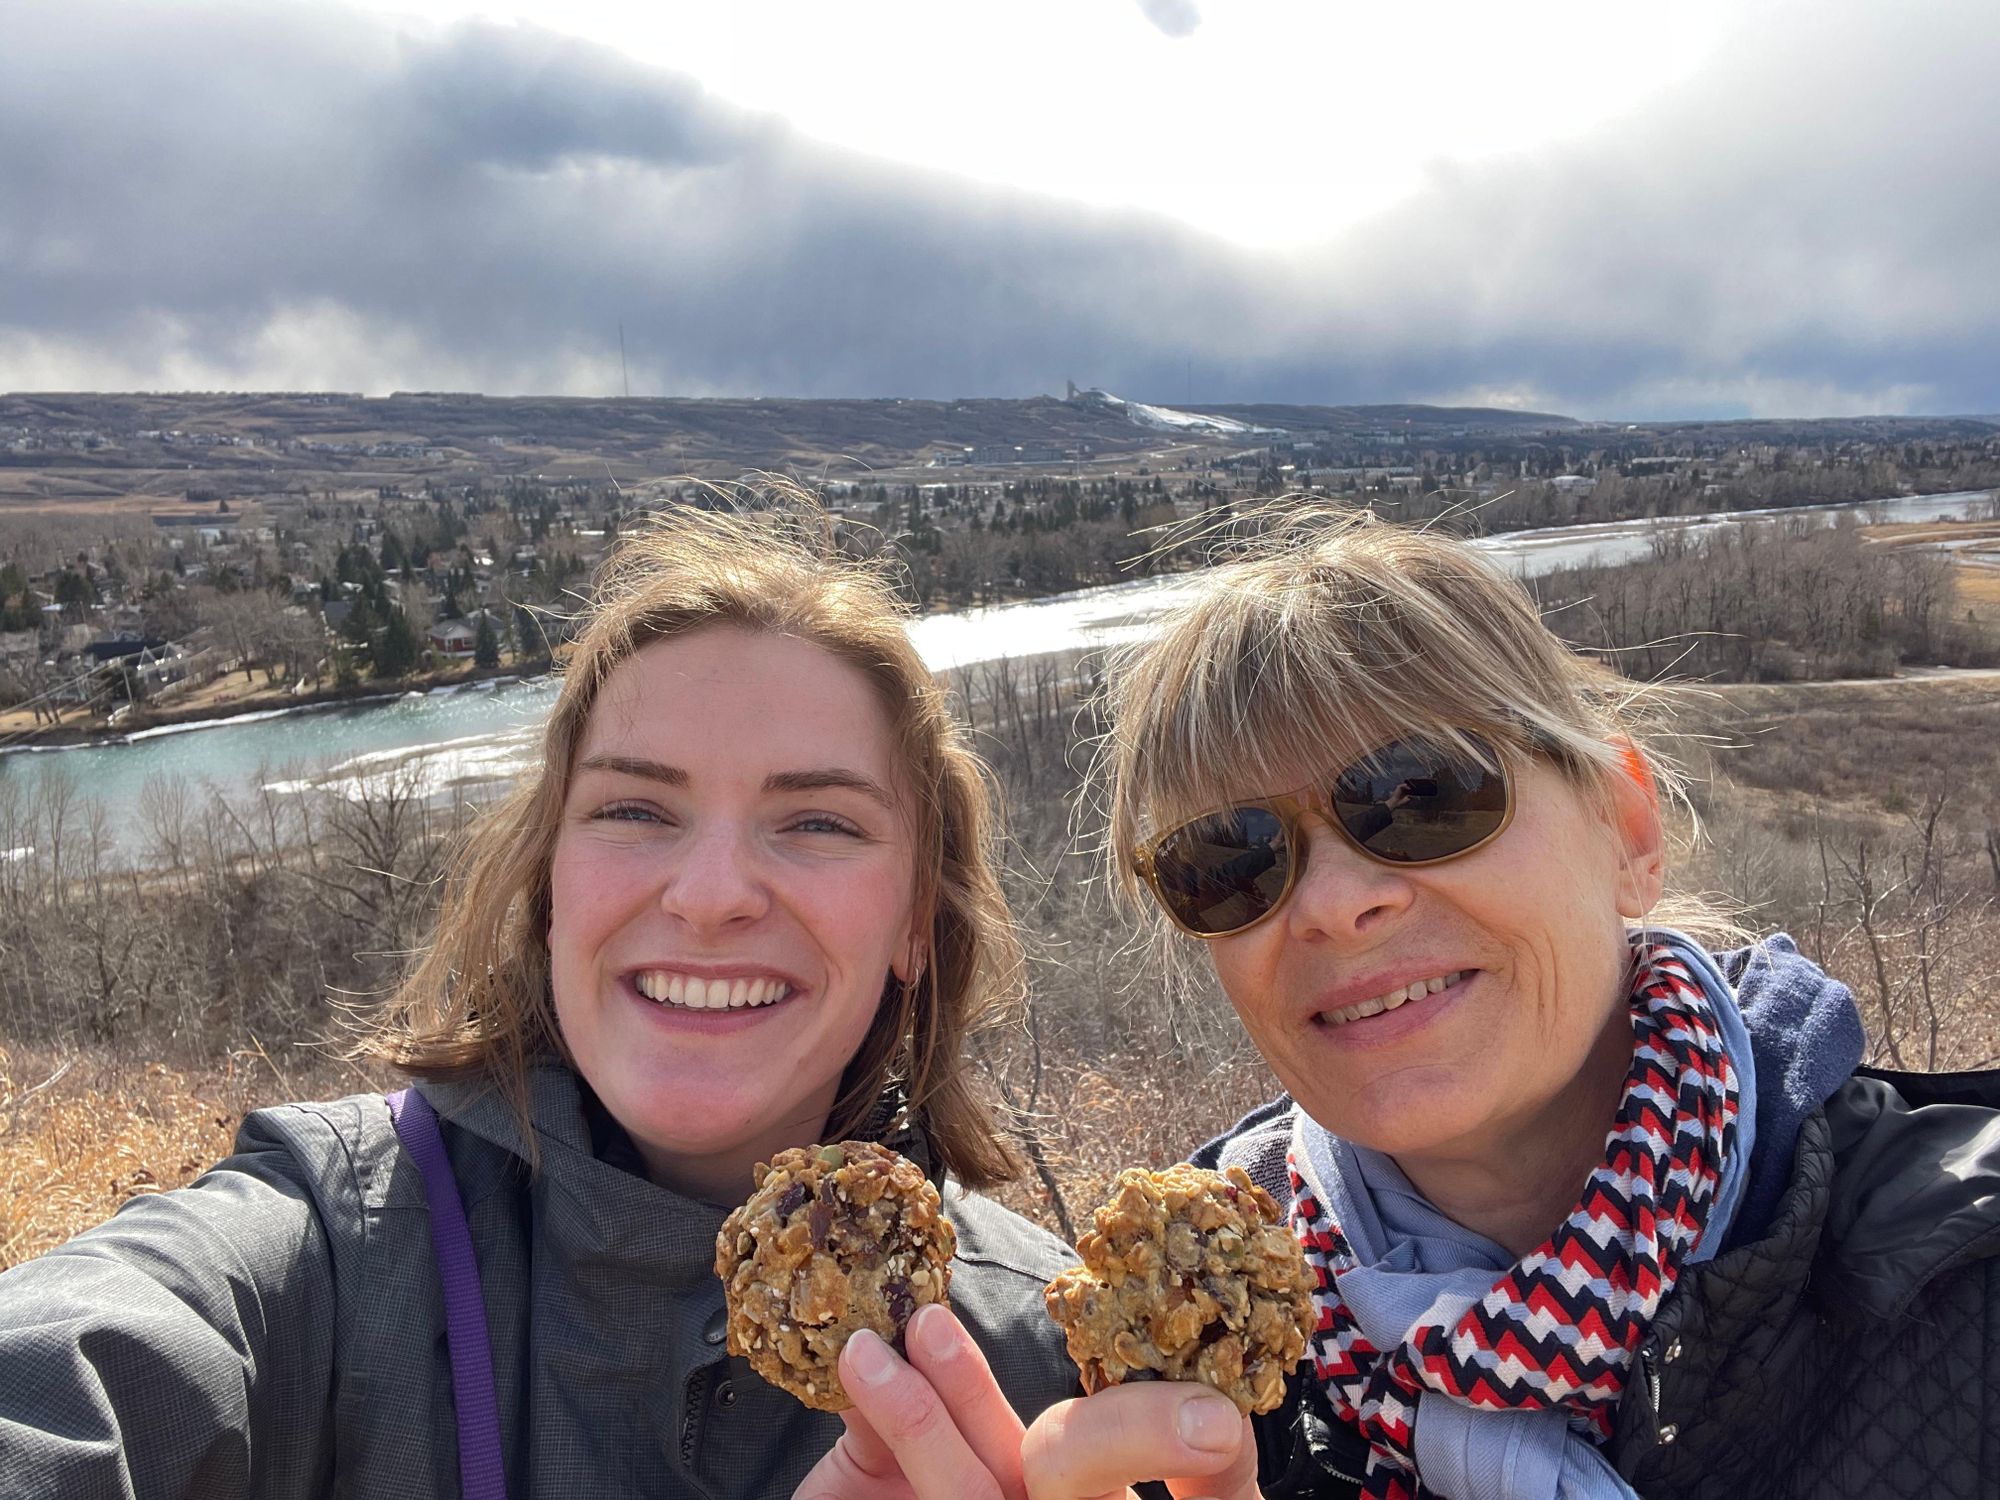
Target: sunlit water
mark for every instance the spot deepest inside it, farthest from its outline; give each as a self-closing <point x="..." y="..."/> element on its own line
<point x="485" y="733"/>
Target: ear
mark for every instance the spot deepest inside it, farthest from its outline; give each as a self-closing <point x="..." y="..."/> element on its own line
<point x="1642" y="863"/>
<point x="912" y="953"/>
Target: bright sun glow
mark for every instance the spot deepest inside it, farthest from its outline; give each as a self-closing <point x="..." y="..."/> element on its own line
<point x="1274" y="123"/>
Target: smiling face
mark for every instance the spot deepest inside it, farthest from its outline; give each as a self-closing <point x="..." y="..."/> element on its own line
<point x="1343" y="989"/>
<point x="732" y="887"/>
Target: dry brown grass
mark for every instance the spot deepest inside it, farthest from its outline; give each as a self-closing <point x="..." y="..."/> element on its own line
<point x="1106" y="1114"/>
<point x="83" y="1130"/>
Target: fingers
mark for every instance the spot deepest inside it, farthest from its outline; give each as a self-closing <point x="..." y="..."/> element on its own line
<point x="864" y="1449"/>
<point x="1078" y="1450"/>
<point x="913" y="1426"/>
<point x="858" y="1467"/>
<point x="1237" y="1481"/>
<point x="944" y="1353"/>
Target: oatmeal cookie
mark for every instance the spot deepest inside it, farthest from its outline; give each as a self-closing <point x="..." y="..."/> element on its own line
<point x="834" y="1238"/>
<point x="1190" y="1275"/>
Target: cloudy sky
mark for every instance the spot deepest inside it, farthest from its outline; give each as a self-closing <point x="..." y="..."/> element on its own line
<point x="1718" y="207"/>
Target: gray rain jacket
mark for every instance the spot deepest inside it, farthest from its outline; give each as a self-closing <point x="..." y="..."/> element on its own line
<point x="277" y="1330"/>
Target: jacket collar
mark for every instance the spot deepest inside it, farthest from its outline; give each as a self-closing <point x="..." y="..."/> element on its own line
<point x="598" y="1211"/>
<point x="1918" y="1185"/>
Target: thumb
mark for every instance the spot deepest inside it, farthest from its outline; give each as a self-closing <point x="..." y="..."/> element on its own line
<point x="1237" y="1482"/>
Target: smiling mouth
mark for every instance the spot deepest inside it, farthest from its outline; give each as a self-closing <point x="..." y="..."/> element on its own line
<point x="691" y="992"/>
<point x="1416" y="990"/>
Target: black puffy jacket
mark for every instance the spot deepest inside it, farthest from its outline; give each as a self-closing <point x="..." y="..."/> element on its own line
<point x="1854" y="1350"/>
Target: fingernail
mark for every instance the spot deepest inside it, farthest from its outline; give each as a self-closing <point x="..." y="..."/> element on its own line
<point x="870" y="1357"/>
<point x="934" y="1332"/>
<point x="1210" y="1424"/>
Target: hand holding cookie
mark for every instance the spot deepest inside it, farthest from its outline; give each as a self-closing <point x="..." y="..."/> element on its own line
<point x="834" y="1239"/>
<point x="1190" y="1275"/>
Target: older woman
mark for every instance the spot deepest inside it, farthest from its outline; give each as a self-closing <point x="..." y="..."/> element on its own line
<point x="744" y="901"/>
<point x="1594" y="1211"/>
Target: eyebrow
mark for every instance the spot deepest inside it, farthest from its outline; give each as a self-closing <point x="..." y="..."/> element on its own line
<point x="825" y="778"/>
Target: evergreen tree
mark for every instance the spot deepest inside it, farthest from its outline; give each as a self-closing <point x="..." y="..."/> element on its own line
<point x="396" y="653"/>
<point x="528" y="637"/>
<point x="486" y="649"/>
<point x="358" y="629"/>
<point x="74" y="590"/>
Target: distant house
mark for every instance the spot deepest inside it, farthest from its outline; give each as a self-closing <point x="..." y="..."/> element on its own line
<point x="454" y="638"/>
<point x="146" y="666"/>
<point x="118" y="648"/>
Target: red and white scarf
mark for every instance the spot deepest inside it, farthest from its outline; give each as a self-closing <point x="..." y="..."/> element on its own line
<point x="1560" y="1328"/>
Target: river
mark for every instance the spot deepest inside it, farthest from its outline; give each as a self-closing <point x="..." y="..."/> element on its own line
<point x="484" y="733"/>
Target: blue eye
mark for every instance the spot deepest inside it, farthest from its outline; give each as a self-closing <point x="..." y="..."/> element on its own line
<point x="825" y="823"/>
<point x="626" y="812"/>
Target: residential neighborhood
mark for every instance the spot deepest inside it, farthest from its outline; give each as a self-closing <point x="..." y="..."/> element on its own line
<point x="173" y="557"/>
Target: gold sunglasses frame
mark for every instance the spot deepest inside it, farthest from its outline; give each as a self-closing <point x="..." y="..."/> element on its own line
<point x="1291" y="809"/>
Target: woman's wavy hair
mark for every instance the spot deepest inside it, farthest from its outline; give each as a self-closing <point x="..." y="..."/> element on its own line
<point x="1332" y="632"/>
<point x="478" y="1004"/>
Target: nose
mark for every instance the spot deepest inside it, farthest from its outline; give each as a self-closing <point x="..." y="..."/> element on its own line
<point x="1341" y="892"/>
<point x="714" y="880"/>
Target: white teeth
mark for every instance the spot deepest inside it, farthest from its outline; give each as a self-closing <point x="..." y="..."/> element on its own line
<point x="1415" y="990"/>
<point x="692" y="992"/>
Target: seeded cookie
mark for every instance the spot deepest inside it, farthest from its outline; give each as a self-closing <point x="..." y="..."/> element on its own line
<point x="1190" y="1275"/>
<point x="835" y="1238"/>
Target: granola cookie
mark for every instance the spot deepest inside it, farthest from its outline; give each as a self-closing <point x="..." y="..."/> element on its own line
<point x="1190" y="1275"/>
<point x="835" y="1238"/>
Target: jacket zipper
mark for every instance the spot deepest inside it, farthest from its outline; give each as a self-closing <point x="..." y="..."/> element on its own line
<point x="695" y="1395"/>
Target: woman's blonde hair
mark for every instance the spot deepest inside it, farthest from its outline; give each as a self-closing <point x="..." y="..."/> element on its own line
<point x="1334" y="632"/>
<point x="478" y="1002"/>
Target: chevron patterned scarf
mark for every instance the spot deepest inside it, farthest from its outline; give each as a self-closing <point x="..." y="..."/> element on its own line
<point x="1559" y="1329"/>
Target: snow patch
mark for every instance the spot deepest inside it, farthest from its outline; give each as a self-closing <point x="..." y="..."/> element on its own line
<point x="1167" y="418"/>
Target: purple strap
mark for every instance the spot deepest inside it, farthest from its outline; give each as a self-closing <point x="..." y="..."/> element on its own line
<point x="480" y="1473"/>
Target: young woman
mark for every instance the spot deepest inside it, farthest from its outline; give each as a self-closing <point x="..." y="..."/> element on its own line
<point x="744" y="901"/>
<point x="1595" y="1212"/>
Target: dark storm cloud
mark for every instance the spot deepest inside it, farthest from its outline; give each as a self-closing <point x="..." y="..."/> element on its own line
<point x="251" y="195"/>
<point x="232" y="192"/>
<point x="1177" y="18"/>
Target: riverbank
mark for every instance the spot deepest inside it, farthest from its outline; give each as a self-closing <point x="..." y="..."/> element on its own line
<point x="1101" y="615"/>
<point x="253" y="701"/>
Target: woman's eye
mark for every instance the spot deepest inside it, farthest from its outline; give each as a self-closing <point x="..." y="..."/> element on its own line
<point x="627" y="812"/>
<point x="824" y="823"/>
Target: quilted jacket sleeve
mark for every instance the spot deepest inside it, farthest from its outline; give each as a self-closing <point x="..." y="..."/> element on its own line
<point x="185" y="1347"/>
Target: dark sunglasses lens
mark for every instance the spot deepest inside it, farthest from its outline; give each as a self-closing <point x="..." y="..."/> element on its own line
<point x="1223" y="871"/>
<point x="1408" y="805"/>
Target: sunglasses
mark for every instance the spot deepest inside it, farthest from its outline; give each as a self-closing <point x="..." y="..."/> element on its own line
<point x="1226" y="871"/>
